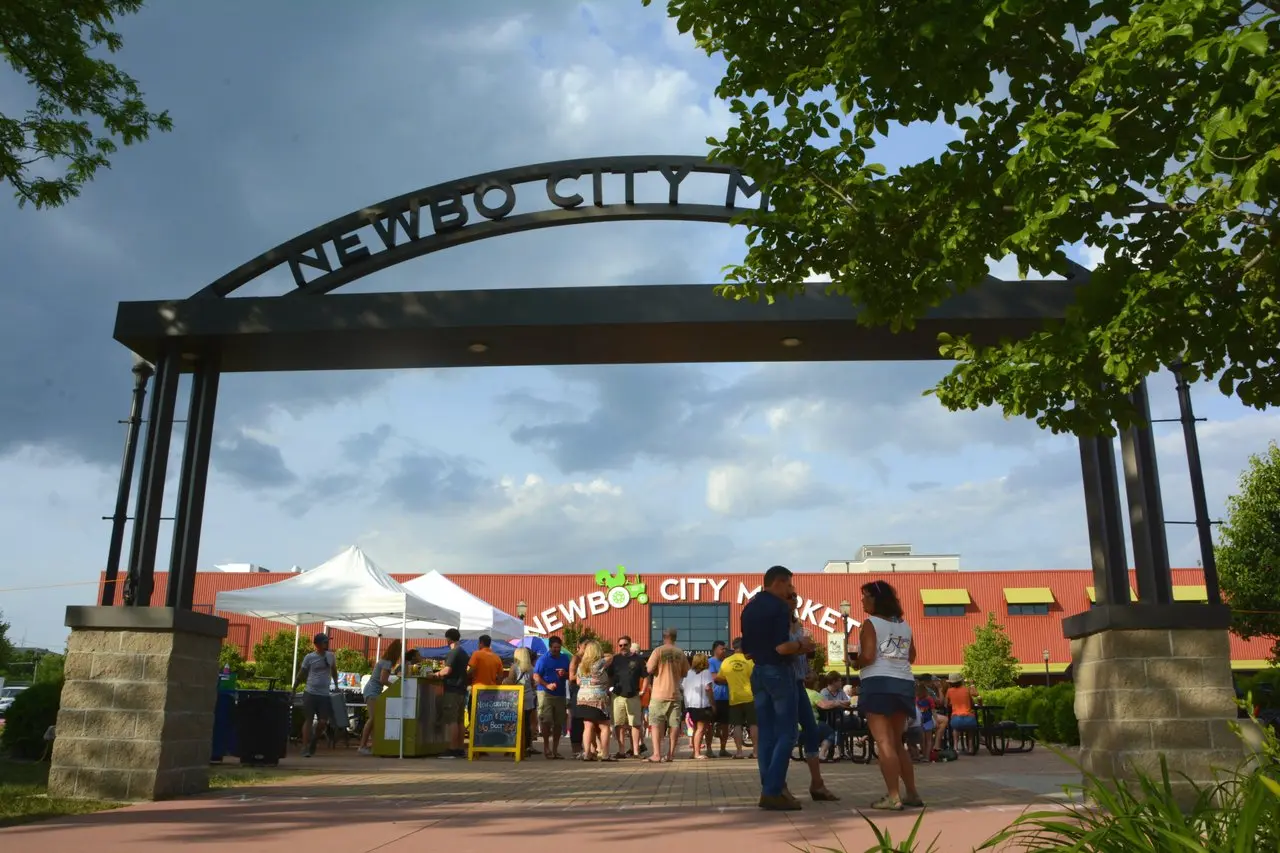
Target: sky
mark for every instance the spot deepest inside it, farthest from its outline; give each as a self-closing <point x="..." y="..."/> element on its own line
<point x="285" y="121"/>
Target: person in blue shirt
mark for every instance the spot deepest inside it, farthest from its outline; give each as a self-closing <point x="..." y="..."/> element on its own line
<point x="551" y="675"/>
<point x="720" y="696"/>
<point x="766" y="639"/>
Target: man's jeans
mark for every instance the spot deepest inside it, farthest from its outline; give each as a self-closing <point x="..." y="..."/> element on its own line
<point x="812" y="732"/>
<point x="774" y="687"/>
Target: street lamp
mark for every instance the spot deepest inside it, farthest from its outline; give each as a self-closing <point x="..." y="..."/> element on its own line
<point x="845" y="609"/>
<point x="1046" y="668"/>
<point x="521" y="609"/>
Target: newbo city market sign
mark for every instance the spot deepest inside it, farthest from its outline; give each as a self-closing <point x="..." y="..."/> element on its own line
<point x="618" y="590"/>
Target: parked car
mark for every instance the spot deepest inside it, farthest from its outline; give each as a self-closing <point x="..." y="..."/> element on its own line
<point x="7" y="695"/>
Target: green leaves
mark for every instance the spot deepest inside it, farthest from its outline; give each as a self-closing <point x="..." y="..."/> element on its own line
<point x="1248" y="553"/>
<point x="988" y="661"/>
<point x="1148" y="131"/>
<point x="52" y="44"/>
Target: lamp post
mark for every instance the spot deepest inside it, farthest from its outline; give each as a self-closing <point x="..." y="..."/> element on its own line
<point x="1046" y="668"/>
<point x="845" y="609"/>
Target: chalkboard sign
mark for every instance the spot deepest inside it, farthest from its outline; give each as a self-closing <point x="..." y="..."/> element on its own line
<point x="497" y="719"/>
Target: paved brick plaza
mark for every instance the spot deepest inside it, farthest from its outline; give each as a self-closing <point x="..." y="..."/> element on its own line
<point x="342" y="801"/>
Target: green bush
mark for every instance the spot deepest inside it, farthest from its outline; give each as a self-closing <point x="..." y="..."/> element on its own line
<point x="1052" y="709"/>
<point x="351" y="660"/>
<point x="1240" y="812"/>
<point x="29" y="717"/>
<point x="1264" y="685"/>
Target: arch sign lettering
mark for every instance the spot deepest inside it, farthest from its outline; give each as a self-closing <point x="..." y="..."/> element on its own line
<point x="618" y="590"/>
<point x="481" y="206"/>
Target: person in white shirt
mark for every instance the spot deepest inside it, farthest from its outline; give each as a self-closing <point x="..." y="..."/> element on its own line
<point x="697" y="687"/>
<point x="317" y="669"/>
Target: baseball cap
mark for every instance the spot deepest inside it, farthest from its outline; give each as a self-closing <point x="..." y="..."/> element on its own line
<point x="320" y="638"/>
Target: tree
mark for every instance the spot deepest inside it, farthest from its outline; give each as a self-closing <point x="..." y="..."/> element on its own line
<point x="352" y="660"/>
<point x="49" y="669"/>
<point x="52" y="43"/>
<point x="229" y="656"/>
<point x="989" y="663"/>
<point x="1144" y="130"/>
<point x="273" y="655"/>
<point x="6" y="647"/>
<point x="1249" y="550"/>
<point x="576" y="632"/>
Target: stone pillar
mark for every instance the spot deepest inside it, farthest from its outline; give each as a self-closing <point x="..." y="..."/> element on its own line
<point x="136" y="720"/>
<point x="1150" y="682"/>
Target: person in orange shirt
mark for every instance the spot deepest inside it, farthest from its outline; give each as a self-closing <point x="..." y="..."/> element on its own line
<point x="485" y="666"/>
<point x="964" y="723"/>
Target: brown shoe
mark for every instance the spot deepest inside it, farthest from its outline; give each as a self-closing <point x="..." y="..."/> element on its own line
<point x="822" y="795"/>
<point x="779" y="804"/>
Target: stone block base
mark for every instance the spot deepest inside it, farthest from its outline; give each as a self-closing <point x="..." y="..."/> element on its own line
<point x="136" y="720"/>
<point x="1147" y="694"/>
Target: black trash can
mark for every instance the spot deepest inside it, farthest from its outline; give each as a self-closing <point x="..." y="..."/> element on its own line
<point x="262" y="726"/>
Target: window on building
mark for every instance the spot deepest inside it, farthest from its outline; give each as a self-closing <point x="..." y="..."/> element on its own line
<point x="1028" y="610"/>
<point x="944" y="610"/>
<point x="697" y="625"/>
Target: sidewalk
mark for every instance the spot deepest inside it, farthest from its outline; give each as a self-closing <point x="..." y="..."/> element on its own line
<point x="343" y="801"/>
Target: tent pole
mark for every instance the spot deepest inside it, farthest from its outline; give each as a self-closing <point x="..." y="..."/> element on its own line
<point x="404" y="673"/>
<point x="297" y="632"/>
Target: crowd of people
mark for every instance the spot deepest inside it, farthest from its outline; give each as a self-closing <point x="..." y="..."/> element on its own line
<point x="621" y="705"/>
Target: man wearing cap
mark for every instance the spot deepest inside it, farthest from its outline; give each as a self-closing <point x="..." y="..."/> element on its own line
<point x="317" y="670"/>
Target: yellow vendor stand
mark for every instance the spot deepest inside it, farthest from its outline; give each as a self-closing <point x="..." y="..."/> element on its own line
<point x="411" y="705"/>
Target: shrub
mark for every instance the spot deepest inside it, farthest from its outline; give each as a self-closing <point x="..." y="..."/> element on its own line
<point x="1052" y="709"/>
<point x="351" y="660"/>
<point x="29" y="717"/>
<point x="1240" y="812"/>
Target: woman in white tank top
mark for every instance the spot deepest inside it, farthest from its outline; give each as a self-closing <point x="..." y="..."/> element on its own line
<point x="886" y="651"/>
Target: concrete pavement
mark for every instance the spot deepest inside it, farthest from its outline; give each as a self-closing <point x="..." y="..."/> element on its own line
<point x="357" y="804"/>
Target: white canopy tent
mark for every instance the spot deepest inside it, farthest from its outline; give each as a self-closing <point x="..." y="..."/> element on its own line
<point x="478" y="616"/>
<point x="348" y="587"/>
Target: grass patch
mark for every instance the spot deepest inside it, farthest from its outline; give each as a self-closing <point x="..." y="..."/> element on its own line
<point x="239" y="777"/>
<point x="24" y="795"/>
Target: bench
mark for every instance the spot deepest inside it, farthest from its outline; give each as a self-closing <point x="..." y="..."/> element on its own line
<point x="1019" y="737"/>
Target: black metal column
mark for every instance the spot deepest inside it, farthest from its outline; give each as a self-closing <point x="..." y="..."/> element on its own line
<point x="1146" y="508"/>
<point x="185" y="554"/>
<point x="1106" y="520"/>
<point x="1204" y="527"/>
<point x="155" y="464"/>
<point x="141" y="373"/>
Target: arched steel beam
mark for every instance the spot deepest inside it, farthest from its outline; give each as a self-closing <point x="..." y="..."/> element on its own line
<point x="434" y="218"/>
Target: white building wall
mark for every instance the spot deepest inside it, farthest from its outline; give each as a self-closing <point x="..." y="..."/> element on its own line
<point x="892" y="558"/>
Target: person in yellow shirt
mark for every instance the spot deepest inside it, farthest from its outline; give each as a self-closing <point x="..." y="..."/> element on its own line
<point x="735" y="672"/>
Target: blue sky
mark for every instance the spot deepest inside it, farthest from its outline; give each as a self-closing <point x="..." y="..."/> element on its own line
<point x="293" y="120"/>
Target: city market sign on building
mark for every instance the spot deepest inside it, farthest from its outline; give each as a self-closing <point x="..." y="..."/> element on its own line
<point x="618" y="591"/>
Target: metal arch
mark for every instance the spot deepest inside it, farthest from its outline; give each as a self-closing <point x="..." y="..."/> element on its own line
<point x="404" y="236"/>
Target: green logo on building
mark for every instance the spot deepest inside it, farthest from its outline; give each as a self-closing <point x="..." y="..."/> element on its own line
<point x="621" y="590"/>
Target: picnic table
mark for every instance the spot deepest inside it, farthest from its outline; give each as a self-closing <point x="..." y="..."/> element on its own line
<point x="990" y="733"/>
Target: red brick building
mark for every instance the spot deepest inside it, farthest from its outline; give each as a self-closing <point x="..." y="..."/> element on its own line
<point x="943" y="608"/>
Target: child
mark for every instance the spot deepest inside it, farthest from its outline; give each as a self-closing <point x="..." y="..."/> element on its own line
<point x="926" y="708"/>
<point x="914" y="736"/>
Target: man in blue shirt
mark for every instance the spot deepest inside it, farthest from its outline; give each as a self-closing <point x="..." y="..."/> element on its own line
<point x="551" y="675"/>
<point x="766" y="639"/>
<point x="720" y="696"/>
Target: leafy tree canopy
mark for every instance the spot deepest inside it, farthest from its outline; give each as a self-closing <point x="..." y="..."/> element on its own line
<point x="577" y="632"/>
<point x="352" y="660"/>
<point x="273" y="655"/>
<point x="988" y="661"/>
<point x="6" y="646"/>
<point x="83" y="104"/>
<point x="1145" y="130"/>
<point x="1249" y="550"/>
